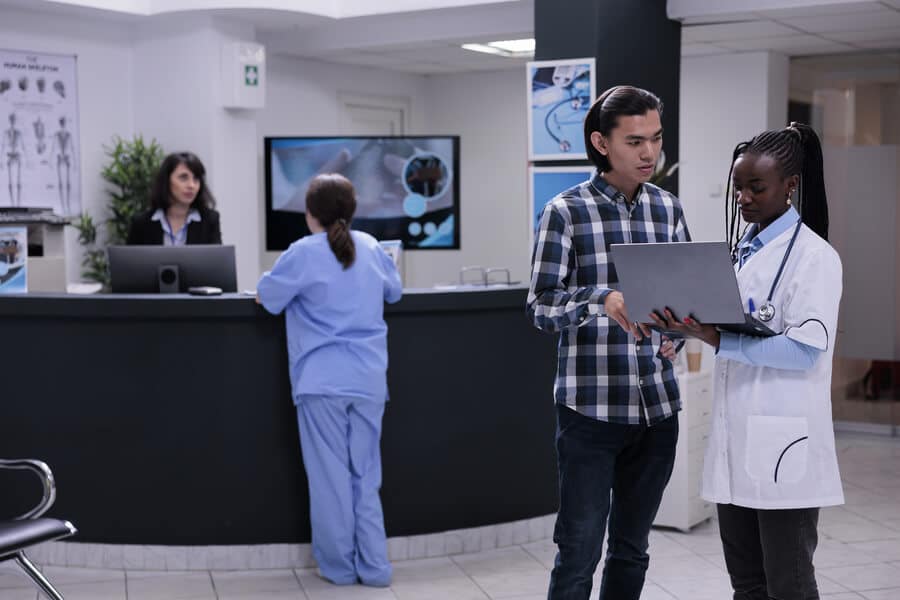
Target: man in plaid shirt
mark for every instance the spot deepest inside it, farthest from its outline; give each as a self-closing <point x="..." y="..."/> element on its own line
<point x="616" y="394"/>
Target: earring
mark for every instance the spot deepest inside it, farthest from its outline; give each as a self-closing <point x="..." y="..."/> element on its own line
<point x="790" y="193"/>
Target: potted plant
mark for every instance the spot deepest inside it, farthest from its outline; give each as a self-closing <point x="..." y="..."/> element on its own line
<point x="133" y="165"/>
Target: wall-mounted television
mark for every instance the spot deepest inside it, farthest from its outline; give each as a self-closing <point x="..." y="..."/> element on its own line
<point x="407" y="187"/>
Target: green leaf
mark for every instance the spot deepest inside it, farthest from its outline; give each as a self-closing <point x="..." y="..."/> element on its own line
<point x="132" y="166"/>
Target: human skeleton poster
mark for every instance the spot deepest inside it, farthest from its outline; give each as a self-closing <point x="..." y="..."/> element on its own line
<point x="39" y="148"/>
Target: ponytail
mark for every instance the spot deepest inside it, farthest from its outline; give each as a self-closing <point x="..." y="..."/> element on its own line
<point x="341" y="242"/>
<point x="813" y="201"/>
<point x="331" y="199"/>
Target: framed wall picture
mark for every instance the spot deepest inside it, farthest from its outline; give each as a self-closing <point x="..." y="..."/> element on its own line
<point x="13" y="260"/>
<point x="544" y="183"/>
<point x="39" y="133"/>
<point x="560" y="92"/>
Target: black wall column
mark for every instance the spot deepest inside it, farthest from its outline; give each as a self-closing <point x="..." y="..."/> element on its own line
<point x="634" y="42"/>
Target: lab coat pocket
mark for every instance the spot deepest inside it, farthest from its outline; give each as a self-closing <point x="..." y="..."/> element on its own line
<point x="777" y="448"/>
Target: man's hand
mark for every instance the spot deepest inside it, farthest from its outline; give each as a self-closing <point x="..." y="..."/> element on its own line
<point x="614" y="307"/>
<point x="667" y="350"/>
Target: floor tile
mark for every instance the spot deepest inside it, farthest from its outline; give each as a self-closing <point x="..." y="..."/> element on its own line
<point x="865" y="577"/>
<point x="246" y="582"/>
<point x="164" y="585"/>
<point x="456" y="588"/>
<point x="858" y="558"/>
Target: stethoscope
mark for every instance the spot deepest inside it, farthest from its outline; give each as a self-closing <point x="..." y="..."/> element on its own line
<point x="767" y="310"/>
<point x="578" y="102"/>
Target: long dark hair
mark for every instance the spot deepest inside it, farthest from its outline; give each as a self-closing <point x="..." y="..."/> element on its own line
<point x="160" y="196"/>
<point x="331" y="199"/>
<point x="797" y="151"/>
<point x="603" y="116"/>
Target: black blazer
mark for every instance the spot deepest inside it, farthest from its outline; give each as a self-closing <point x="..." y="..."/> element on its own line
<point x="146" y="232"/>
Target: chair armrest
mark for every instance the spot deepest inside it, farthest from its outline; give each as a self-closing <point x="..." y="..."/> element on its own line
<point x="43" y="472"/>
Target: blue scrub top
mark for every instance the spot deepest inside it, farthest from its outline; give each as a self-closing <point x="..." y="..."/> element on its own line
<point x="336" y="334"/>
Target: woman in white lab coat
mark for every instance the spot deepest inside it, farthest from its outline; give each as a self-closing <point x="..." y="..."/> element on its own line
<point x="771" y="462"/>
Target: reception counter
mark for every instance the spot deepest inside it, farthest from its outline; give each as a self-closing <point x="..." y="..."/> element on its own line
<point x="168" y="419"/>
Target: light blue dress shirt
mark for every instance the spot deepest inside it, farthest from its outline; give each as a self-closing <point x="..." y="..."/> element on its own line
<point x="170" y="238"/>
<point x="336" y="334"/>
<point x="777" y="351"/>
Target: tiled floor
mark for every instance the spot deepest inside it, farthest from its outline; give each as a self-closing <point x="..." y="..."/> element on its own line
<point x="858" y="558"/>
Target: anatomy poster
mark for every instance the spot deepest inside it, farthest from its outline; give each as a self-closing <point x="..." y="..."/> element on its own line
<point x="560" y="92"/>
<point x="39" y="150"/>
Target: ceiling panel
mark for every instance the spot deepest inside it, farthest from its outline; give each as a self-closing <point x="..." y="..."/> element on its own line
<point x="881" y="19"/>
<point x="887" y="44"/>
<point x="850" y="62"/>
<point x="367" y="59"/>
<point x="842" y="8"/>
<point x="734" y="31"/>
<point x="744" y="16"/>
<point x="799" y="44"/>
<point x="866" y="36"/>
<point x="438" y="54"/>
<point x="428" y="68"/>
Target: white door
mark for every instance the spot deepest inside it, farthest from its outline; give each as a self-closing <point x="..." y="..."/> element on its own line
<point x="373" y="115"/>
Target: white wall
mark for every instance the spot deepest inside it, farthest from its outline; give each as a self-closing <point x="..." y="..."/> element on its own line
<point x="105" y="99"/>
<point x="724" y="100"/>
<point x="302" y="99"/>
<point x="488" y="111"/>
<point x="177" y="101"/>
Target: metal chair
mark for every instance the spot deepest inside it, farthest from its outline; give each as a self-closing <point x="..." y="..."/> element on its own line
<point x="30" y="529"/>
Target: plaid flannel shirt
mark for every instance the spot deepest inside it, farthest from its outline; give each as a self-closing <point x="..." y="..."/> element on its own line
<point x="602" y="372"/>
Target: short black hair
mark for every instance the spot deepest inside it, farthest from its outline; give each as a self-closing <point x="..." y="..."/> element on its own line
<point x="617" y="101"/>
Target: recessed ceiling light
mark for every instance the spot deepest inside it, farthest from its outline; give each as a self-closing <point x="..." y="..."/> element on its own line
<point x="515" y="46"/>
<point x="484" y="48"/>
<point x="509" y="48"/>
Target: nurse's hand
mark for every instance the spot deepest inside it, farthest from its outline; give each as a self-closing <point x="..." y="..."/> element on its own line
<point x="614" y="306"/>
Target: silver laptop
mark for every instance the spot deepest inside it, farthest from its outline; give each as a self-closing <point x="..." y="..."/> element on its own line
<point x="692" y="278"/>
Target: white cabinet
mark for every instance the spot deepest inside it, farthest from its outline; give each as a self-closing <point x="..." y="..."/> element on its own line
<point x="682" y="507"/>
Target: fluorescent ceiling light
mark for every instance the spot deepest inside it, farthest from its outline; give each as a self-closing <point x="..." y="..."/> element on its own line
<point x="515" y="46"/>
<point x="509" y="48"/>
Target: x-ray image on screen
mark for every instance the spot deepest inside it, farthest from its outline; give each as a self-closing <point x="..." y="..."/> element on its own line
<point x="406" y="187"/>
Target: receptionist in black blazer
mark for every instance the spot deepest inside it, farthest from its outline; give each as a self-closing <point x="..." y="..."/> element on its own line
<point x="181" y="207"/>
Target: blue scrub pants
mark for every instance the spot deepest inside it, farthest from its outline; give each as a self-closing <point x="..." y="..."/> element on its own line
<point x="340" y="438"/>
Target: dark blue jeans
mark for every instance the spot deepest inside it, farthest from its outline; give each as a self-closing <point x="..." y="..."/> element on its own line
<point x="615" y="471"/>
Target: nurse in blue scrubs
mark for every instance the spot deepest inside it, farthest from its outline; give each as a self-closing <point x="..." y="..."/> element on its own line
<point x="332" y="285"/>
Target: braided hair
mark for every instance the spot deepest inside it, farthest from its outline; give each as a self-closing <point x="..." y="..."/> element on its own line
<point x="797" y="151"/>
<point x="331" y="199"/>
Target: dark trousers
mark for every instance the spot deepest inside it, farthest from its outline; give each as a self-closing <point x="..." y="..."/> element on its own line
<point x="615" y="471"/>
<point x="769" y="553"/>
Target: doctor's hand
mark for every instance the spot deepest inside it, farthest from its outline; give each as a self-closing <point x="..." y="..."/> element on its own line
<point x="688" y="326"/>
<point x="614" y="306"/>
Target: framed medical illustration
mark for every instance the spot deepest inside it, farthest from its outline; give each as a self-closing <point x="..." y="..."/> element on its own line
<point x="544" y="183"/>
<point x="560" y="92"/>
<point x="39" y="137"/>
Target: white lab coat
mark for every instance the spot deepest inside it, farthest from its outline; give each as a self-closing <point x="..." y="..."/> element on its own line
<point x="761" y="415"/>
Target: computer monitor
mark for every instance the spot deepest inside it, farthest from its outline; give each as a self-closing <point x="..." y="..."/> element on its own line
<point x="171" y="269"/>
